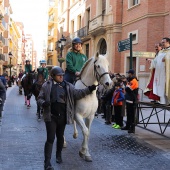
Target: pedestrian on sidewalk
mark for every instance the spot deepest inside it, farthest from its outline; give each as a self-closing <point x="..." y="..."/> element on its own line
<point x="117" y="103"/>
<point x="57" y="97"/>
<point x="131" y="99"/>
<point x="2" y="97"/>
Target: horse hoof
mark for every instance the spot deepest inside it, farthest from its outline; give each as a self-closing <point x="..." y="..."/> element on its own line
<point x="75" y="135"/>
<point x="81" y="154"/>
<point x="39" y="119"/>
<point x="28" y="106"/>
<point x="88" y="159"/>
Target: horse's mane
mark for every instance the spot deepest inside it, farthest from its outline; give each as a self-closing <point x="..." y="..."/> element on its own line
<point x="87" y="62"/>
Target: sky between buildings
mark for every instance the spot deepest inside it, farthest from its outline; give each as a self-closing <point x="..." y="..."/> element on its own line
<point x="33" y="14"/>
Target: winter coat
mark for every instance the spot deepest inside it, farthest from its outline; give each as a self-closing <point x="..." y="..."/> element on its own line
<point x="131" y="91"/>
<point x="118" y="97"/>
<point x="72" y="95"/>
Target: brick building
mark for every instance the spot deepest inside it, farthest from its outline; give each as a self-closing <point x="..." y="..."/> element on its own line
<point x="101" y="24"/>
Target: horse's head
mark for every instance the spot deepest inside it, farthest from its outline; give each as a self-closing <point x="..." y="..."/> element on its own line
<point x="101" y="70"/>
<point x="30" y="76"/>
<point x="40" y="76"/>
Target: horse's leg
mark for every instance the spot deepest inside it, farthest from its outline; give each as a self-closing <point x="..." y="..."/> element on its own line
<point x="88" y="122"/>
<point x="83" y="151"/>
<point x="75" y="135"/>
<point x="38" y="112"/>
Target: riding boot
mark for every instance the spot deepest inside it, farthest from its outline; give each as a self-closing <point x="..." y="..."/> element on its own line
<point x="132" y="128"/>
<point x="58" y="157"/>
<point x="47" y="153"/>
<point x="108" y="114"/>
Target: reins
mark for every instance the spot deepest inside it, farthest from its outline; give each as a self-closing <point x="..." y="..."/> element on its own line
<point x="97" y="75"/>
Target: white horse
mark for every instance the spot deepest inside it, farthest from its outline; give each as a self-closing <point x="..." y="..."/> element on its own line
<point x="95" y="71"/>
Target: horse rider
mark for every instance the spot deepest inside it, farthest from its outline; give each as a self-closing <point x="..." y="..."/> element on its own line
<point x="28" y="68"/>
<point x="75" y="60"/>
<point x="57" y="97"/>
<point x="43" y="69"/>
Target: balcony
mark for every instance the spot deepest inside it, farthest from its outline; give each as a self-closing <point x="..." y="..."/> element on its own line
<point x="83" y="32"/>
<point x="96" y="25"/>
<point x="2" y="40"/>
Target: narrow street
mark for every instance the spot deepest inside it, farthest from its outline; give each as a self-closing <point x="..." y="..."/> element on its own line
<point x="22" y="140"/>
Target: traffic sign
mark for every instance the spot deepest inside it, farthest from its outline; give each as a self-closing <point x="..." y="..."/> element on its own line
<point x="124" y="45"/>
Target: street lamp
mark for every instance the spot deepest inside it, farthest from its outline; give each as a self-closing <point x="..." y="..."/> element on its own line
<point x="60" y="44"/>
<point x="10" y="57"/>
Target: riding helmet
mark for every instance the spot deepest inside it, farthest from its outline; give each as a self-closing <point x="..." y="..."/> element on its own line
<point x="76" y="40"/>
<point x="57" y="71"/>
<point x="43" y="61"/>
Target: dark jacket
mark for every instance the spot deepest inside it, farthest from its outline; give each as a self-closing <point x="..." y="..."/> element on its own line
<point x="72" y="95"/>
<point x="107" y="97"/>
<point x="131" y="90"/>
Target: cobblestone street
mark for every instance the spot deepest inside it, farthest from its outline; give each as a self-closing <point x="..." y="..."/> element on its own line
<point x="22" y="140"/>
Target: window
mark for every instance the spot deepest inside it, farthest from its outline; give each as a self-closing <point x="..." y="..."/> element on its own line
<point x="62" y="5"/>
<point x="87" y="17"/>
<point x="87" y="50"/>
<point x="61" y="31"/>
<point x="132" y="3"/>
<point x="103" y="7"/>
<point x="135" y="2"/>
<point x="79" y="22"/>
<point x="72" y="26"/>
<point x="6" y="10"/>
<point x="103" y="47"/>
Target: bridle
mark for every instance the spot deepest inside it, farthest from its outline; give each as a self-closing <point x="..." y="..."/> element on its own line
<point x="97" y="75"/>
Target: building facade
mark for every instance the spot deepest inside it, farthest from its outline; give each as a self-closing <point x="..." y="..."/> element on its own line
<point x="52" y="32"/>
<point x="101" y="24"/>
<point x="2" y="39"/>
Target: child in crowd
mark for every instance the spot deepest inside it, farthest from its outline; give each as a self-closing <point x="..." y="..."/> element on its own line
<point x="117" y="102"/>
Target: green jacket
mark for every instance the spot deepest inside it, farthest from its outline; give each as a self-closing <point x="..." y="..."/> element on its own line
<point x="45" y="72"/>
<point x="75" y="61"/>
<point x="28" y="68"/>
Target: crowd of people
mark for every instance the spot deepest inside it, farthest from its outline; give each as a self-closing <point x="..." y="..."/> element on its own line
<point x="112" y="103"/>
